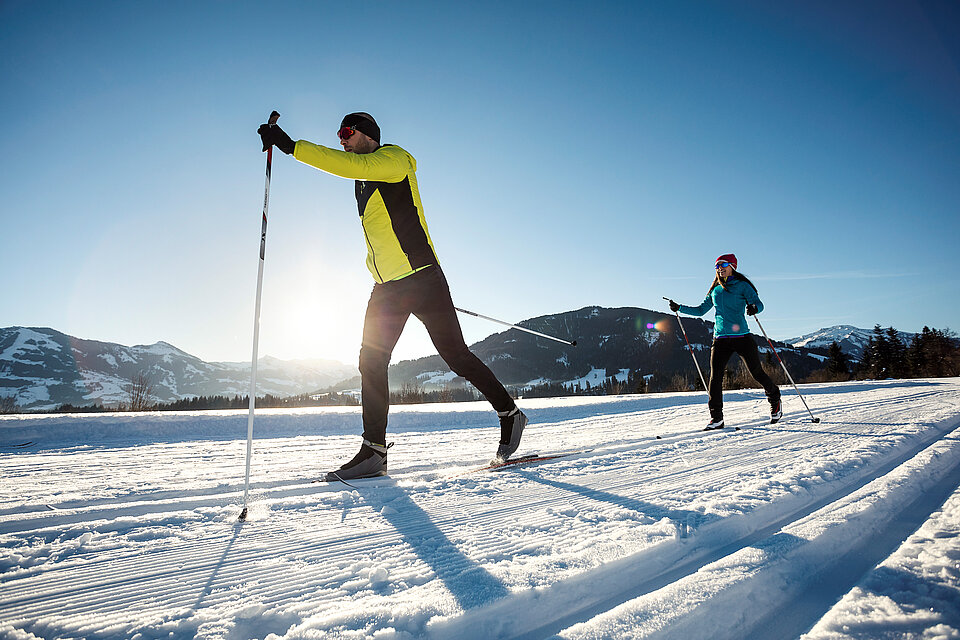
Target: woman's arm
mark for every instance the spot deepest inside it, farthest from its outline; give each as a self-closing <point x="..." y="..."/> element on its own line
<point x="699" y="310"/>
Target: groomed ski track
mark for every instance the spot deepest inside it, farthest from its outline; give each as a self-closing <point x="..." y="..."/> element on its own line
<point x="685" y="536"/>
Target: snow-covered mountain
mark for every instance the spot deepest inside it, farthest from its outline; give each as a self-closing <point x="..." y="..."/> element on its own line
<point x="43" y="368"/>
<point x="611" y="342"/>
<point x="852" y="340"/>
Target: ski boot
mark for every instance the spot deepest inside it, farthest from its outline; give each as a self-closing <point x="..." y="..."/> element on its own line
<point x="511" y="429"/>
<point x="715" y="423"/>
<point x="776" y="412"/>
<point x="370" y="462"/>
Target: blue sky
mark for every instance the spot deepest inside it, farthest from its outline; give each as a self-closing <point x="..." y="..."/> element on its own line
<point x="570" y="154"/>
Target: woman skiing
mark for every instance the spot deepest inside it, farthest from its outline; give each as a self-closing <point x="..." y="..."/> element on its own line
<point x="732" y="294"/>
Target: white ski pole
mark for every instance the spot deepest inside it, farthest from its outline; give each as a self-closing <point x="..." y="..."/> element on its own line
<point x="256" y="324"/>
<point x="785" y="370"/>
<point x="513" y="326"/>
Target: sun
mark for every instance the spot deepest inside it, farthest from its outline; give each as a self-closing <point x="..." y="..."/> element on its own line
<point x="312" y="320"/>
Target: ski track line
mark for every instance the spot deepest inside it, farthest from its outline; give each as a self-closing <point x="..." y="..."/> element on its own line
<point x="704" y="444"/>
<point x="680" y="474"/>
<point x="37" y="516"/>
<point x="787" y="579"/>
<point x="347" y="546"/>
<point x="551" y="609"/>
<point x="793" y="616"/>
<point x="185" y="505"/>
<point x="88" y="592"/>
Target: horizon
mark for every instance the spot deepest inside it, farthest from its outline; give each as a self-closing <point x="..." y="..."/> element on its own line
<point x="590" y="155"/>
<point x="263" y="356"/>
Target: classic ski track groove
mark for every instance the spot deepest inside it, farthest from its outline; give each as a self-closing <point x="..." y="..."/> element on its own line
<point x="168" y="501"/>
<point x="81" y="600"/>
<point x="82" y="587"/>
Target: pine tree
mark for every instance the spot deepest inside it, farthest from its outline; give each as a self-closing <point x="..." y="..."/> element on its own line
<point x="865" y="368"/>
<point x="880" y="355"/>
<point x="897" y="354"/>
<point x="838" y="364"/>
<point x="916" y="353"/>
<point x="943" y="354"/>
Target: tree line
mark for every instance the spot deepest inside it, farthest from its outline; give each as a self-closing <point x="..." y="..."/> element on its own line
<point x="932" y="353"/>
<point x="205" y="403"/>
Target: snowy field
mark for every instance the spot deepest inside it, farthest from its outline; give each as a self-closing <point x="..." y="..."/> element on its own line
<point x="125" y="526"/>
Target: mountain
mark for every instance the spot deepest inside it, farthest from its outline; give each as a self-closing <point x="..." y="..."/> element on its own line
<point x="620" y="342"/>
<point x="852" y="340"/>
<point x="43" y="368"/>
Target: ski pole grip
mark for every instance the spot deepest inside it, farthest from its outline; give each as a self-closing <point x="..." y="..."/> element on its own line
<point x="274" y="116"/>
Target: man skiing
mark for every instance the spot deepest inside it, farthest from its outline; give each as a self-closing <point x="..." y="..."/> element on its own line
<point x="407" y="280"/>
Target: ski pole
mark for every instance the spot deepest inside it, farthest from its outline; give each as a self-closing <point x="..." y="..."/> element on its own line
<point x="812" y="419"/>
<point x="690" y="347"/>
<point x="256" y="324"/>
<point x="513" y="326"/>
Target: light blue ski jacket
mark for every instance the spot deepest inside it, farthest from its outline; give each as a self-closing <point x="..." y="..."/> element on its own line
<point x="731" y="302"/>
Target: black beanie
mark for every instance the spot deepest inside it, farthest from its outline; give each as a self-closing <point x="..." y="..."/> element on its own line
<point x="364" y="123"/>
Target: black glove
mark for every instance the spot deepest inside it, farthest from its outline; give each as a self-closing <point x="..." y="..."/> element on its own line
<point x="674" y="306"/>
<point x="751" y="309"/>
<point x="272" y="134"/>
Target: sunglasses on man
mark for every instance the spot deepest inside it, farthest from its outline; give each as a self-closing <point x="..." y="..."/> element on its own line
<point x="346" y="132"/>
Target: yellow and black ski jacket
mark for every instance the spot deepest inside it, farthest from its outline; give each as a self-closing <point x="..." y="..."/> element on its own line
<point x="398" y="242"/>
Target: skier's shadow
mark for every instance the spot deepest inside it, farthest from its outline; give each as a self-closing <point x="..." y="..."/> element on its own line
<point x="469" y="583"/>
<point x="687" y="520"/>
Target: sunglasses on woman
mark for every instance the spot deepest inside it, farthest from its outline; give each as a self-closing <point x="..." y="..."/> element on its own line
<point x="723" y="265"/>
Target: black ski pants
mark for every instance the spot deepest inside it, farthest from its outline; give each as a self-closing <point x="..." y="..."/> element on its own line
<point x="720" y="354"/>
<point x="426" y="295"/>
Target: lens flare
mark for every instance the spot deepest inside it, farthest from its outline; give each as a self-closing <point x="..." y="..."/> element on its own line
<point x="644" y="324"/>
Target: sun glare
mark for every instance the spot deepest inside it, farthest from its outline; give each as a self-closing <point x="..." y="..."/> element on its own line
<point x="305" y="322"/>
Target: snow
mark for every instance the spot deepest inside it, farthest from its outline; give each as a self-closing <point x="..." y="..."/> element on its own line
<point x="824" y="337"/>
<point x="125" y="525"/>
<point x="597" y="377"/>
<point x="28" y="340"/>
<point x="109" y="359"/>
<point x="160" y="349"/>
<point x="914" y="591"/>
<point x="436" y="378"/>
<point x="37" y="392"/>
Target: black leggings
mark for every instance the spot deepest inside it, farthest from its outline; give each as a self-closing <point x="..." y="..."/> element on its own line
<point x="426" y="295"/>
<point x="720" y="354"/>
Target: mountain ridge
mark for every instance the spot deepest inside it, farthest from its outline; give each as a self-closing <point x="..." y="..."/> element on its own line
<point x="42" y="368"/>
<point x="623" y="344"/>
<point x="852" y="340"/>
